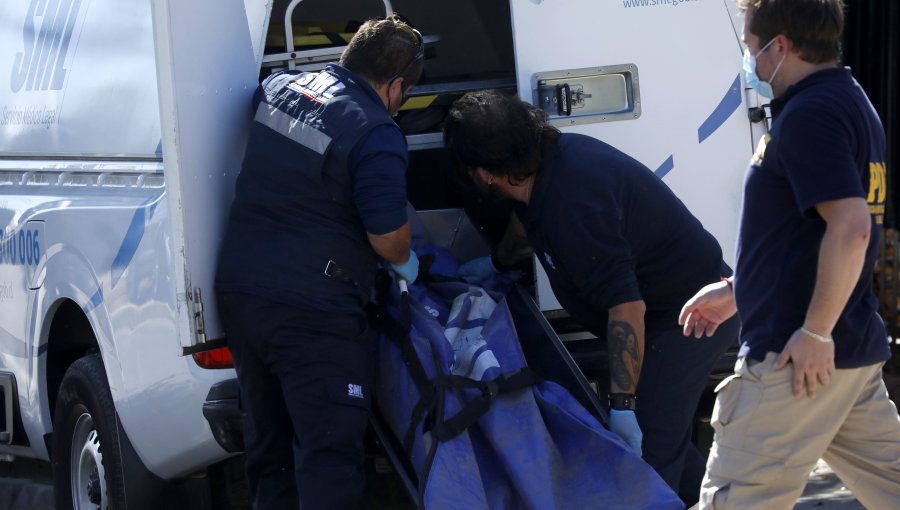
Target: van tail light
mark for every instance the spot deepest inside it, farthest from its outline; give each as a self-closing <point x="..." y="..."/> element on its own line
<point x="219" y="357"/>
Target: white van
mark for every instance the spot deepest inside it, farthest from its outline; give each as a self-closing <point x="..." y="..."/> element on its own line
<point x="122" y="126"/>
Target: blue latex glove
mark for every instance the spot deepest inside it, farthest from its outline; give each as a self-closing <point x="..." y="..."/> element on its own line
<point x="408" y="270"/>
<point x="624" y="424"/>
<point x="476" y="271"/>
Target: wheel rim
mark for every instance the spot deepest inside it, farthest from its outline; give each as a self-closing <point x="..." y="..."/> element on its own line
<point x="87" y="475"/>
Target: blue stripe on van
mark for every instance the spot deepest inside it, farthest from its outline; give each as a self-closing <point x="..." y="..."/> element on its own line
<point x="132" y="239"/>
<point x="726" y="107"/>
<point x="665" y="167"/>
<point x="95" y="301"/>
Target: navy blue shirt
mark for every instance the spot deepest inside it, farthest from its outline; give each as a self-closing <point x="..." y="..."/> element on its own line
<point x="609" y="231"/>
<point x="378" y="168"/>
<point x="826" y="143"/>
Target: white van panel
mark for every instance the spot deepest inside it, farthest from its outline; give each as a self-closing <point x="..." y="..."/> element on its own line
<point x="72" y="82"/>
<point x="118" y="272"/>
<point x="207" y="65"/>
<point x="693" y="129"/>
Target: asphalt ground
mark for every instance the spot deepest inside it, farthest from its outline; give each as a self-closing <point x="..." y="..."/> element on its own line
<point x="824" y="491"/>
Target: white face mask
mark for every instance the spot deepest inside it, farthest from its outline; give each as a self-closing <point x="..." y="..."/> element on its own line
<point x="763" y="88"/>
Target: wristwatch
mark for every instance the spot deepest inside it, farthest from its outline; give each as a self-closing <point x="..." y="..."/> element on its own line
<point x="622" y="401"/>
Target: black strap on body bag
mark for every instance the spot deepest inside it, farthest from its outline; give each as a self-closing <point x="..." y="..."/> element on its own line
<point x="432" y="391"/>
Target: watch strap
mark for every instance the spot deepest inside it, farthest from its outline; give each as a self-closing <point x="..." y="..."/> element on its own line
<point x="622" y="401"/>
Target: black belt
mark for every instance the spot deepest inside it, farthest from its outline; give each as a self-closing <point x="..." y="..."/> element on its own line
<point x="335" y="270"/>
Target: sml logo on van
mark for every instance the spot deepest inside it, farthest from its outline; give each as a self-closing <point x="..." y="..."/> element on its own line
<point x="46" y="38"/>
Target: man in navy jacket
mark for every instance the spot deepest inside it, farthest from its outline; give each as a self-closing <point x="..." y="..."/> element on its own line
<point x="320" y="198"/>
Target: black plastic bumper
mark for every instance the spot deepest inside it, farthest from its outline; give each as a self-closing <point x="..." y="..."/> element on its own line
<point x="222" y="410"/>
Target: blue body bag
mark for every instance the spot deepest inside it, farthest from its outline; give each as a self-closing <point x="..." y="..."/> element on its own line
<point x="479" y="429"/>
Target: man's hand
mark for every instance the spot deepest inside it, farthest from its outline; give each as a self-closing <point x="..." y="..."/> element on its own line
<point x="477" y="271"/>
<point x="813" y="362"/>
<point x="703" y="313"/>
<point x="624" y="424"/>
<point x="408" y="270"/>
<point x="841" y="257"/>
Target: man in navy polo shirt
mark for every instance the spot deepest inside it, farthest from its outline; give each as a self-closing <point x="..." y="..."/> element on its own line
<point x="621" y="251"/>
<point x="808" y="383"/>
<point x="320" y="197"/>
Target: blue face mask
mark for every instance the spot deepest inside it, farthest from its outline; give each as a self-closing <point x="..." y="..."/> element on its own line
<point x="763" y="88"/>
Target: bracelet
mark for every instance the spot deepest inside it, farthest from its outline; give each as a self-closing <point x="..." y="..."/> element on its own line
<point x="818" y="337"/>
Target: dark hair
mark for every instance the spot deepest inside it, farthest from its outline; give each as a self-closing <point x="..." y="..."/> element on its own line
<point x="500" y="133"/>
<point x="813" y="26"/>
<point x="385" y="49"/>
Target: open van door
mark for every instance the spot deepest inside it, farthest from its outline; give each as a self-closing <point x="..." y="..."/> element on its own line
<point x="208" y="54"/>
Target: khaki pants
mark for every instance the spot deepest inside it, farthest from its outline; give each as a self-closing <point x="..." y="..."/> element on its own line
<point x="767" y="441"/>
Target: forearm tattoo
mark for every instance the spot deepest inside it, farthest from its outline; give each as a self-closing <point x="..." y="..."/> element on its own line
<point x="624" y="354"/>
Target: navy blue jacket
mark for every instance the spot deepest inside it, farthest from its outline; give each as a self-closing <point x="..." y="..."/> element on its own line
<point x="297" y="203"/>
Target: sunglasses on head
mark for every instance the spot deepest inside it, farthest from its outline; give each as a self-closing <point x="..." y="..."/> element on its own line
<point x="420" y="55"/>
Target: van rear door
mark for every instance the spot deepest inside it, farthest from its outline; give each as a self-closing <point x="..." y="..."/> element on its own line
<point x="207" y="63"/>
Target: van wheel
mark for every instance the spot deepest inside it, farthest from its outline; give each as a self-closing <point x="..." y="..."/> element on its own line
<point x="87" y="460"/>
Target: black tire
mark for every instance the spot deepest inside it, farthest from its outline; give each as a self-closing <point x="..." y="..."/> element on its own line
<point x="90" y="448"/>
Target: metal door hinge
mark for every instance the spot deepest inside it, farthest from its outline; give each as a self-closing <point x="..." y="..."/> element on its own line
<point x="199" y="322"/>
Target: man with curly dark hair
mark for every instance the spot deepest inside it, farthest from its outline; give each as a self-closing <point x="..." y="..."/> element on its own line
<point x="621" y="251"/>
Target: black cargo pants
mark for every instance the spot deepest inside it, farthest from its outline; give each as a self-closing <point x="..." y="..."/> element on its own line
<point x="305" y="379"/>
<point x="673" y="377"/>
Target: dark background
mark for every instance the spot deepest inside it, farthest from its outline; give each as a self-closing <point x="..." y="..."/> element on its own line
<point x="872" y="51"/>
